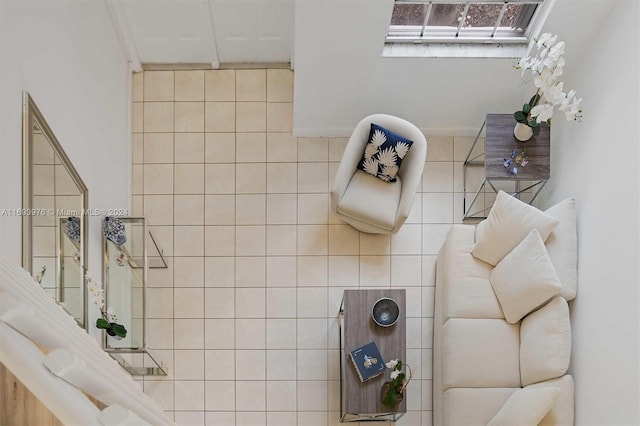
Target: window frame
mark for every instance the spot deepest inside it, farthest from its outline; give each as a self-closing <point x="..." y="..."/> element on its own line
<point x="407" y="33"/>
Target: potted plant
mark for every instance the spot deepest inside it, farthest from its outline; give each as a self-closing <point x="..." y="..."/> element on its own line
<point x="545" y="67"/>
<point x="393" y="390"/>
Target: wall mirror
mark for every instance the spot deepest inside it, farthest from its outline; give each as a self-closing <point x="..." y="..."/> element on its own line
<point x="54" y="202"/>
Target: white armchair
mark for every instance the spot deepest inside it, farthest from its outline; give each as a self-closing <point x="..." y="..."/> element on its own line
<point x="366" y="202"/>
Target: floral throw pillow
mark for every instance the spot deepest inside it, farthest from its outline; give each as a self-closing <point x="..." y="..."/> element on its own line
<point x="384" y="153"/>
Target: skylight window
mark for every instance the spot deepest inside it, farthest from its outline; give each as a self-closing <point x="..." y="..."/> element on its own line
<point x="462" y="21"/>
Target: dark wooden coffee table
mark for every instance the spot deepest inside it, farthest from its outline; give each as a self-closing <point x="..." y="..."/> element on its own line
<point x="499" y="143"/>
<point x="363" y="401"/>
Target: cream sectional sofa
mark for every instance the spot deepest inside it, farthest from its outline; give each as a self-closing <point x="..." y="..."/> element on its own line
<point x="490" y="370"/>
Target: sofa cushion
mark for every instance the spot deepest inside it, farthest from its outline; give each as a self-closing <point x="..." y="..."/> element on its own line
<point x="463" y="280"/>
<point x="525" y="278"/>
<point x="383" y="153"/>
<point x="509" y="221"/>
<point x="562" y="411"/>
<point x="480" y="353"/>
<point x="473" y="406"/>
<point x="526" y="407"/>
<point x="545" y="342"/>
<point x="371" y="200"/>
<point x="562" y="246"/>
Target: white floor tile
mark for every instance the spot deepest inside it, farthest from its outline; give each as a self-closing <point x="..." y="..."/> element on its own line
<point x="250" y="396"/>
<point x="188" y="302"/>
<point x="281" y="333"/>
<point x="251" y="209"/>
<point x="343" y="240"/>
<point x="282" y="209"/>
<point x="281" y="302"/>
<point x="220" y="364"/>
<point x="312" y="364"/>
<point x="313" y="208"/>
<point x="220" y="240"/>
<point x="220" y="271"/>
<point x="281" y="396"/>
<point x="312" y="333"/>
<point x="189" y="364"/>
<point x="250" y="365"/>
<point x="219" y="302"/>
<point x="250" y="334"/>
<point x="375" y="271"/>
<point x="312" y="271"/>
<point x="281" y="271"/>
<point x="220" y="395"/>
<point x="344" y="271"/>
<point x="281" y="364"/>
<point x="312" y="395"/>
<point x="312" y="302"/>
<point x="282" y="178"/>
<point x="313" y="177"/>
<point x="281" y="240"/>
<point x="250" y="271"/>
<point x="250" y="302"/>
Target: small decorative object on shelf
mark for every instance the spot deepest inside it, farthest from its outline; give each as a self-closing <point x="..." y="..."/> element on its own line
<point x="72" y="229"/>
<point x="40" y="275"/>
<point x="385" y="312"/>
<point x="108" y="322"/>
<point x="113" y="229"/>
<point x="120" y="258"/>
<point x="545" y="67"/>
<point x="368" y="361"/>
<point x="393" y="391"/>
<point x="511" y="164"/>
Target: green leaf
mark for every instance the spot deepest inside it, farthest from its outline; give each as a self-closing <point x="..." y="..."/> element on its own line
<point x="110" y="332"/>
<point x="390" y="398"/>
<point x="533" y="123"/>
<point x="520" y="117"/>
<point x="536" y="130"/>
<point x="119" y="329"/>
<point x="102" y="323"/>
<point x="534" y="100"/>
<point x="526" y="108"/>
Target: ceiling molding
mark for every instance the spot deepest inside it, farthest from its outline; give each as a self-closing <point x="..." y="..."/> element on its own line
<point x="124" y="34"/>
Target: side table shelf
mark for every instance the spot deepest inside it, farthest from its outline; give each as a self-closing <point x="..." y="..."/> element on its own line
<point x="125" y="278"/>
<point x="363" y="401"/>
<point x="499" y="143"/>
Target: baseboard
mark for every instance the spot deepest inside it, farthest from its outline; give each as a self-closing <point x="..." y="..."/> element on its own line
<point x="341" y="132"/>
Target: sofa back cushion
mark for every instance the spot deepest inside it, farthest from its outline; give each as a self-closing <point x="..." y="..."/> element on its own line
<point x="545" y="343"/>
<point x="509" y="221"/>
<point x="562" y="246"/>
<point x="562" y="411"/>
<point x="525" y="278"/>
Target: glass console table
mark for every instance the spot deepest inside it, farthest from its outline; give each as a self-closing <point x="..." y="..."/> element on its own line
<point x="363" y="401"/>
<point x="125" y="277"/>
<point x="499" y="144"/>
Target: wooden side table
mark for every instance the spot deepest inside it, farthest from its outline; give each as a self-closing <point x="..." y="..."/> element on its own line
<point x="499" y="143"/>
<point x="363" y="401"/>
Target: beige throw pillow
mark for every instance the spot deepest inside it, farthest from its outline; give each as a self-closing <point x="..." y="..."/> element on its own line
<point x="525" y="278"/>
<point x="509" y="221"/>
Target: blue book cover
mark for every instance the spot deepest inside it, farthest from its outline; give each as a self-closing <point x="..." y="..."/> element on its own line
<point x="368" y="361"/>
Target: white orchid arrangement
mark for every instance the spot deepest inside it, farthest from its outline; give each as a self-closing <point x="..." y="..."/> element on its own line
<point x="397" y="385"/>
<point x="546" y="67"/>
<point x="109" y="320"/>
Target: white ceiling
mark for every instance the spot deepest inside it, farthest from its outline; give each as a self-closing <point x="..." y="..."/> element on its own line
<point x="206" y="31"/>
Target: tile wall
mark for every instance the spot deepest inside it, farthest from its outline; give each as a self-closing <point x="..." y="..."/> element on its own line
<point x="245" y="316"/>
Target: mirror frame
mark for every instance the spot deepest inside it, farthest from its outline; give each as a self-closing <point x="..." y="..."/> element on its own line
<point x="31" y="115"/>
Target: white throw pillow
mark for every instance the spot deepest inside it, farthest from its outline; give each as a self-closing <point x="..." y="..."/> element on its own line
<point x="509" y="221"/>
<point x="526" y="407"/>
<point x="562" y="246"/>
<point x="545" y="343"/>
<point x="525" y="278"/>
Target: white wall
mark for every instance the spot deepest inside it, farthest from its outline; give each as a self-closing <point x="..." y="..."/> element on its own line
<point x="341" y="76"/>
<point x="67" y="55"/>
<point x="596" y="162"/>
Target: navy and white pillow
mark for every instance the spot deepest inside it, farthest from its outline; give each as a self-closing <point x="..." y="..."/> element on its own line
<point x="384" y="153"/>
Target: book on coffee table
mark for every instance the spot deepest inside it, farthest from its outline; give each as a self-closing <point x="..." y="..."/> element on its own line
<point x="367" y="361"/>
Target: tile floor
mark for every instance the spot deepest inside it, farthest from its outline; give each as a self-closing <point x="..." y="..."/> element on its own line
<point x="245" y="314"/>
